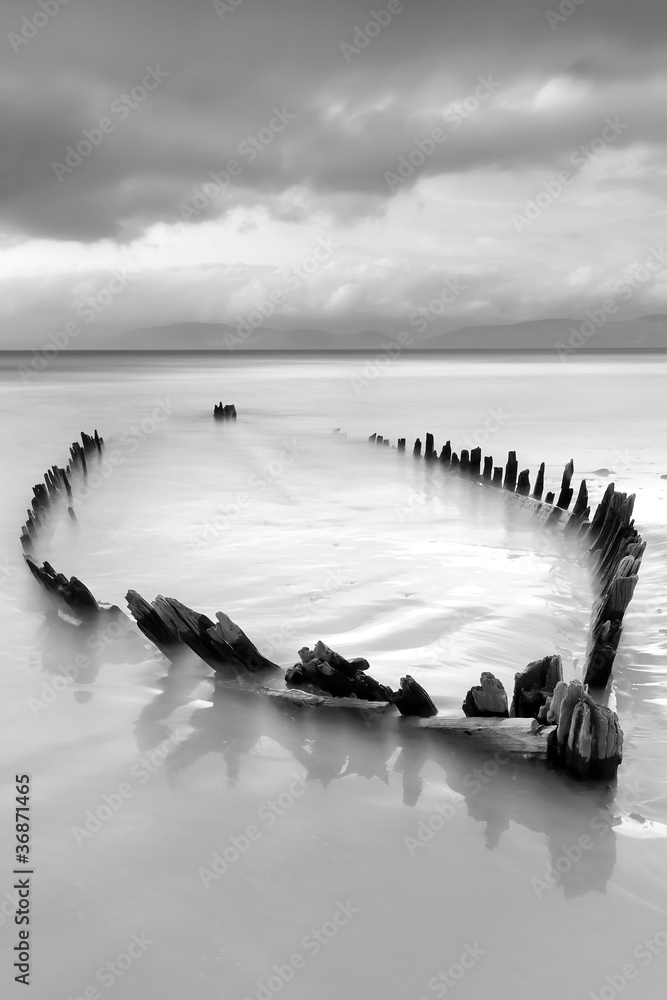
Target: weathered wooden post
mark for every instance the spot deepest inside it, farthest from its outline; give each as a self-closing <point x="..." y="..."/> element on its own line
<point x="511" y="470"/>
<point x="565" y="489"/>
<point x="523" y="483"/>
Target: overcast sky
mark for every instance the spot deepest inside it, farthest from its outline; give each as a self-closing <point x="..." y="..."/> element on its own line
<point x="114" y="114"/>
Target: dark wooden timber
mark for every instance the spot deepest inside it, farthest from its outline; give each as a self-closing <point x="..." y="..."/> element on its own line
<point x="487" y="474"/>
<point x="412" y="699"/>
<point x="226" y="412"/>
<point x="487" y="699"/>
<point x="511" y="470"/>
<point x="615" y="557"/>
<point x="566" y="490"/>
<point x="587" y="742"/>
<point x="523" y="483"/>
<point x="533" y="686"/>
<point x="322" y="671"/>
<point x="72" y="593"/>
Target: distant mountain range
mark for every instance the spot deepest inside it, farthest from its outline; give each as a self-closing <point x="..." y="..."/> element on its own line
<point x="552" y="335"/>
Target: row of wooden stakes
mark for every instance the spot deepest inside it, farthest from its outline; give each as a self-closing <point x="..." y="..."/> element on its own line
<point x="613" y="546"/>
<point x="470" y="465"/>
<point x="57" y="487"/>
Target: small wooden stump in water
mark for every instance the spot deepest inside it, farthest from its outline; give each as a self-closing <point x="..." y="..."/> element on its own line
<point x="486" y="699"/>
<point x="534" y="685"/>
<point x="226" y="412"/>
<point x="412" y="699"/>
<point x="587" y="742"/>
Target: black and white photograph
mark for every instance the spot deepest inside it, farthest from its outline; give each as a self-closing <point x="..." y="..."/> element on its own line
<point x="333" y="533"/>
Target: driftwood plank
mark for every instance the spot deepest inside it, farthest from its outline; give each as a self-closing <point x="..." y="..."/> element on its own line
<point x="516" y="737"/>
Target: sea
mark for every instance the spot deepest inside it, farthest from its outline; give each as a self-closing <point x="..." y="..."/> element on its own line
<point x="186" y="842"/>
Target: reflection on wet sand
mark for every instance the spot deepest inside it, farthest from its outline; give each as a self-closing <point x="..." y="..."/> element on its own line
<point x="330" y="745"/>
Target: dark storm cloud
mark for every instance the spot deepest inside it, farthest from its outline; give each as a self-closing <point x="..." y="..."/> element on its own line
<point x="321" y="117"/>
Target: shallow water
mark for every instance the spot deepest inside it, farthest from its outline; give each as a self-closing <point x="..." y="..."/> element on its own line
<point x="300" y="534"/>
